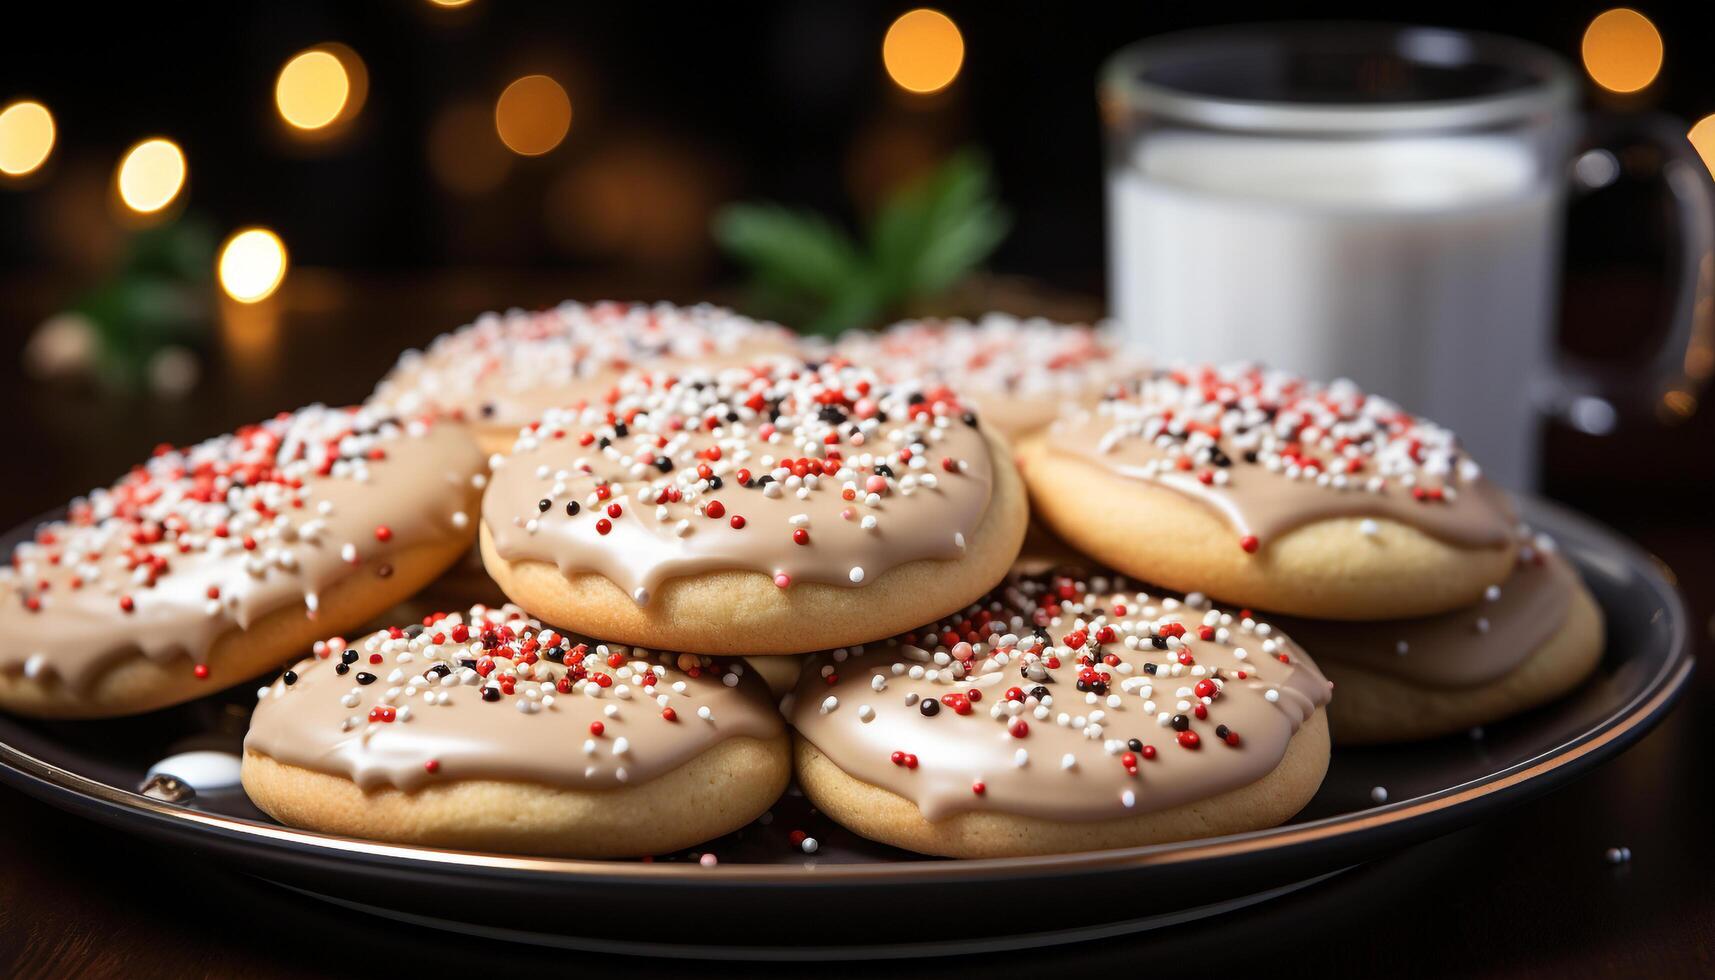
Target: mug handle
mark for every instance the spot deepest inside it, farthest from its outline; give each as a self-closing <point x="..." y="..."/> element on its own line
<point x="1590" y="396"/>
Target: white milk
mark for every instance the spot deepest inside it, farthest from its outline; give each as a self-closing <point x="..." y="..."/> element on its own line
<point x="1422" y="268"/>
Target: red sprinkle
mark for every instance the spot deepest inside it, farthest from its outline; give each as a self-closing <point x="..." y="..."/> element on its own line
<point x="801" y="536"/>
<point x="383" y="533"/>
<point x="1250" y="543"/>
<point x="201" y="670"/>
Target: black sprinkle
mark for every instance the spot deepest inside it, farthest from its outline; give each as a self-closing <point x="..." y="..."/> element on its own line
<point x="604" y="443"/>
<point x="882" y="469"/>
<point x="1149" y="668"/>
<point x="663" y="464"/>
<point x="831" y="415"/>
<point x="1134" y="744"/>
<point x="930" y="707"/>
<point x="572" y="508"/>
<point x="1180" y="723"/>
<point x="290" y="677"/>
<point x="1039" y="692"/>
<point x="491" y="694"/>
<point x="1221" y="731"/>
<point x="365" y="677"/>
<point x="970" y="419"/>
<point x="341" y="668"/>
<point x="1250" y="455"/>
<point x="439" y="670"/>
<point x="917" y="398"/>
<point x="415" y="630"/>
<point x="543" y="504"/>
<point x="348" y="657"/>
<point x="1159" y="641"/>
<point x="715" y="483"/>
<point x="621" y="430"/>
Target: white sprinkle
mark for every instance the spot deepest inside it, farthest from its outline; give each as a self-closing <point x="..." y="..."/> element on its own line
<point x="1271" y="695"/>
<point x="1369" y="528"/>
<point x="1378" y="794"/>
<point x="1492" y="593"/>
<point x="810" y="845"/>
<point x="461" y="520"/>
<point x="621" y="745"/>
<point x="866" y="714"/>
<point x="709" y="860"/>
<point x="1020" y="759"/>
<point x="1618" y="855"/>
<point x="1128" y="798"/>
<point x="856" y="574"/>
<point x="705" y="714"/>
<point x="829" y="703"/>
<point x="1068" y="761"/>
<point x="641" y="596"/>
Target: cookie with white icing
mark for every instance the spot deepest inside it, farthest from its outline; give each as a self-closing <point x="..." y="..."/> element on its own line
<point x="488" y="731"/>
<point x="1532" y="638"/>
<point x="1066" y="711"/>
<point x="206" y="566"/>
<point x="1017" y="372"/>
<point x="1269" y="491"/>
<point x="780" y="507"/>
<point x="504" y="370"/>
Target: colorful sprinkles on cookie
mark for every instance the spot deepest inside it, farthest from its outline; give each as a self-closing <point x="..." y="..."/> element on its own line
<point x="802" y="471"/>
<point x="492" y="693"/>
<point x="1271" y="452"/>
<point x="1062" y="696"/>
<point x="199" y="540"/>
<point x="1017" y="370"/>
<point x="506" y="367"/>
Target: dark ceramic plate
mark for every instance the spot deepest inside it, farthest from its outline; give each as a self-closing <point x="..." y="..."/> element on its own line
<point x="766" y="898"/>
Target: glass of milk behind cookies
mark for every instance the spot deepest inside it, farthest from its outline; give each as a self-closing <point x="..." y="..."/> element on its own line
<point x="1370" y="202"/>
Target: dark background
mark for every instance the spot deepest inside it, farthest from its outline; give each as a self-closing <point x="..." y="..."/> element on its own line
<point x="677" y="109"/>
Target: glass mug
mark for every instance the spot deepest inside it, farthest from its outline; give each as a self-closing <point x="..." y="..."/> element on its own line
<point x="1384" y="204"/>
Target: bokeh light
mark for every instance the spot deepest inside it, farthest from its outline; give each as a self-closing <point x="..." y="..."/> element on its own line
<point x="26" y="137"/>
<point x="1622" y="50"/>
<point x="533" y="115"/>
<point x="1702" y="137"/>
<point x="321" y="86"/>
<point x="150" y="175"/>
<point x="450" y="3"/>
<point x="464" y="153"/>
<point x="252" y="264"/>
<point x="923" y="51"/>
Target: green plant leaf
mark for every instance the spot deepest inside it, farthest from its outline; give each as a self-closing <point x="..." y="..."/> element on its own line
<point x="794" y="251"/>
<point x="937" y="229"/>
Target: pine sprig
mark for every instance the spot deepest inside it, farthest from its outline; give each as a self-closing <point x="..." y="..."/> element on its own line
<point x="926" y="237"/>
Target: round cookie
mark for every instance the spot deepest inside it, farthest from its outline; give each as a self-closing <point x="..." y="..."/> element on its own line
<point x="1267" y="491"/>
<point x="777" y="508"/>
<point x="1528" y="641"/>
<point x="1017" y="373"/>
<point x="490" y="732"/>
<point x="503" y="371"/>
<point x="1064" y="712"/>
<point x="206" y="566"/>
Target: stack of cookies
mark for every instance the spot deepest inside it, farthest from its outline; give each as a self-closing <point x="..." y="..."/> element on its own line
<point x="708" y="561"/>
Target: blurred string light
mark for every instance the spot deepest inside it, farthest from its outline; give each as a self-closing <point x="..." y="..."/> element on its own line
<point x="533" y="115"/>
<point x="1622" y="50"/>
<point x="252" y="264"/>
<point x="923" y="51"/>
<point x="321" y="87"/>
<point x="1702" y="137"/>
<point x="450" y="3"/>
<point x="26" y="137"/>
<point x="464" y="153"/>
<point x="150" y="175"/>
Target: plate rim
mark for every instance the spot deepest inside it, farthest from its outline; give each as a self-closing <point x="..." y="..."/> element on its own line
<point x="1539" y="773"/>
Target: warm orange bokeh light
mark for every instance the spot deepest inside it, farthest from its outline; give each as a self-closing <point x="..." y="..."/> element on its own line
<point x="252" y="265"/>
<point x="533" y="115"/>
<point x="1702" y="137"/>
<point x="321" y="86"/>
<point x="923" y="51"/>
<point x="150" y="175"/>
<point x="26" y="137"/>
<point x="1622" y="50"/>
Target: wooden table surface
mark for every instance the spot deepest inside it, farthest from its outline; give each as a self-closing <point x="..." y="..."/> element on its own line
<point x="1527" y="894"/>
